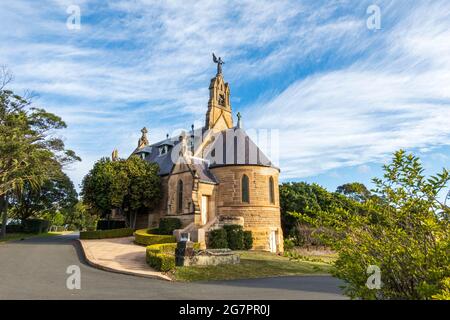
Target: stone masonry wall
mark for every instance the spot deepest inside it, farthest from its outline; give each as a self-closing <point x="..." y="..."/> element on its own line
<point x="260" y="216"/>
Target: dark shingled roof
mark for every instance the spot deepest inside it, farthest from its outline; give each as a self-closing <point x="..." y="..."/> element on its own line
<point x="152" y="155"/>
<point x="238" y="148"/>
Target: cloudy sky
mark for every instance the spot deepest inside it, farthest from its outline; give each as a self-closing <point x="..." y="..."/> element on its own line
<point x="340" y="96"/>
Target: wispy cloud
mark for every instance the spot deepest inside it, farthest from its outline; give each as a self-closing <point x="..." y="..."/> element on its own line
<point x="396" y="96"/>
<point x="340" y="94"/>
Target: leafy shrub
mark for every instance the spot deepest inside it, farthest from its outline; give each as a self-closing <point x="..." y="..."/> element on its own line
<point x="104" y="234"/>
<point x="231" y="236"/>
<point x="35" y="225"/>
<point x="248" y="240"/>
<point x="406" y="235"/>
<point x="161" y="257"/>
<point x="144" y="238"/>
<point x="235" y="236"/>
<point x="288" y="244"/>
<point x="444" y="294"/>
<point x="110" y="224"/>
<point x="168" y="225"/>
<point x="162" y="261"/>
<point x="13" y="228"/>
<point x="217" y="239"/>
<point x="162" y="248"/>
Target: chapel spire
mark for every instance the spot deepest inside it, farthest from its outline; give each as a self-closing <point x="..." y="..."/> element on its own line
<point x="219" y="114"/>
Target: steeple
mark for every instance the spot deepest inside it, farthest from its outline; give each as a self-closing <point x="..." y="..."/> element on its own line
<point x="219" y="114"/>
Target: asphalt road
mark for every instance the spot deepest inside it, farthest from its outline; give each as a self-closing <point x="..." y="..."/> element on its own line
<point x="36" y="269"/>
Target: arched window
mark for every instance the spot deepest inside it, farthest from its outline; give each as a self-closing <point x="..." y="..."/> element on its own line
<point x="271" y="191"/>
<point x="245" y="193"/>
<point x="180" y="196"/>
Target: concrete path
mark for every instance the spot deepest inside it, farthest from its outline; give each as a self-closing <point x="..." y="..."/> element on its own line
<point x="119" y="255"/>
<point x="36" y="269"/>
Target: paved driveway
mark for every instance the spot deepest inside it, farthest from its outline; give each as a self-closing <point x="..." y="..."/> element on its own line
<point x="36" y="269"/>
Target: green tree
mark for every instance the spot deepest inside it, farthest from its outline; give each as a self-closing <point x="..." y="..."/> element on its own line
<point x="355" y="191"/>
<point x="131" y="186"/>
<point x="408" y="239"/>
<point x="55" y="218"/>
<point x="304" y="205"/>
<point x="55" y="195"/>
<point x="79" y="218"/>
<point x="30" y="153"/>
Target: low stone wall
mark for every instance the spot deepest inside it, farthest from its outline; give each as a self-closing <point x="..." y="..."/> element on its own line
<point x="186" y="256"/>
<point x="211" y="258"/>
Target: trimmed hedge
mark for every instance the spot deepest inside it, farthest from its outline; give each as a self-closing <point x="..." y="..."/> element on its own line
<point x="162" y="248"/>
<point x="104" y="234"/>
<point x="168" y="225"/>
<point x="248" y="240"/>
<point x="231" y="236"/>
<point x="217" y="239"/>
<point x="13" y="228"/>
<point x="110" y="224"/>
<point x="35" y="225"/>
<point x="144" y="238"/>
<point x="161" y="256"/>
<point x="161" y="261"/>
<point x="235" y="236"/>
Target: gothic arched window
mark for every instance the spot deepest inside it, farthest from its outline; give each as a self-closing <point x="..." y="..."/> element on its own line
<point x="271" y="191"/>
<point x="245" y="191"/>
<point x="180" y="196"/>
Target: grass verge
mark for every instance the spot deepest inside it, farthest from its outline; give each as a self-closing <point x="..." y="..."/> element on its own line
<point x="254" y="264"/>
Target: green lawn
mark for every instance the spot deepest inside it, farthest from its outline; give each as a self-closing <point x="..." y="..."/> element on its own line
<point x="254" y="264"/>
<point x="22" y="236"/>
<point x="312" y="254"/>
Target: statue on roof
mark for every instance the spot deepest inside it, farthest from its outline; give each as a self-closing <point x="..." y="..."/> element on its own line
<point x="143" y="140"/>
<point x="115" y="155"/>
<point x="219" y="62"/>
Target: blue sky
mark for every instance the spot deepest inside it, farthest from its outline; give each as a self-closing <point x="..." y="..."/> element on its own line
<point x="342" y="97"/>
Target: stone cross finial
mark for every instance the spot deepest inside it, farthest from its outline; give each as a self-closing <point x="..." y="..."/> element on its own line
<point x="239" y="116"/>
<point x="143" y="140"/>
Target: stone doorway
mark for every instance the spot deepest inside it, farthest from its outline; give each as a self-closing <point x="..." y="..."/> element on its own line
<point x="273" y="236"/>
<point x="204" y="209"/>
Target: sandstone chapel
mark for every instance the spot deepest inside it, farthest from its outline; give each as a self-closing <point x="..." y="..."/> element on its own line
<point x="216" y="175"/>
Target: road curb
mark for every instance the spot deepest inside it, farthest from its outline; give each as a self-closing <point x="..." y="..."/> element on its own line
<point x="92" y="262"/>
